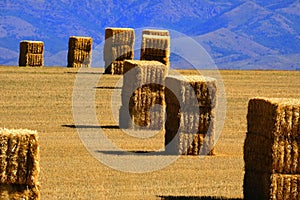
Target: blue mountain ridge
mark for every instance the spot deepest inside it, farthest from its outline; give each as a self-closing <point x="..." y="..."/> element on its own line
<point x="237" y="34"/>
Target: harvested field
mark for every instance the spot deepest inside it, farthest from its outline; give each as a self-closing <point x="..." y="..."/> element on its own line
<point x="41" y="99"/>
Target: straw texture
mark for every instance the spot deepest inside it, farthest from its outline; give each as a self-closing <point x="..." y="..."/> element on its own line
<point x="19" y="164"/>
<point x="31" y="53"/>
<point x="271" y="149"/>
<point x="80" y="52"/>
<point x="155" y="32"/>
<point x="156" y="47"/>
<point x="118" y="46"/>
<point x="190" y="108"/>
<point x="142" y="92"/>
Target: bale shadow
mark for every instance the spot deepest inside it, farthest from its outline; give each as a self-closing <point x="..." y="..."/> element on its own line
<point x="135" y="153"/>
<point x="196" y="198"/>
<point x="108" y="87"/>
<point x="90" y="126"/>
<point x="88" y="73"/>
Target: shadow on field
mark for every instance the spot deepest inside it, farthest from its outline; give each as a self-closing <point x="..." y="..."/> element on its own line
<point x="136" y="153"/>
<point x="91" y="73"/>
<point x="108" y="87"/>
<point x="195" y="198"/>
<point x="90" y="126"/>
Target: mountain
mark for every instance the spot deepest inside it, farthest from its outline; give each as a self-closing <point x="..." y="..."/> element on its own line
<point x="238" y="34"/>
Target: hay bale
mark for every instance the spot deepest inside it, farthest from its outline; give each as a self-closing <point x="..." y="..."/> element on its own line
<point x="190" y="108"/>
<point x="118" y="46"/>
<point x="271" y="149"/>
<point x="155" y="32"/>
<point x="156" y="47"/>
<point x="19" y="164"/>
<point x="258" y="185"/>
<point x="79" y="51"/>
<point x="272" y="135"/>
<point x="31" y="53"/>
<point x="19" y="192"/>
<point x="19" y="156"/>
<point x="142" y="90"/>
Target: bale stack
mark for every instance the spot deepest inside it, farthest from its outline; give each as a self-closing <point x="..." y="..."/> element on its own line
<point x="271" y="149"/>
<point x="142" y="91"/>
<point x="155" y="32"/>
<point x="31" y="54"/>
<point x="80" y="52"/>
<point x="118" y="46"/>
<point x="19" y="164"/>
<point x="190" y="107"/>
<point x="156" y="46"/>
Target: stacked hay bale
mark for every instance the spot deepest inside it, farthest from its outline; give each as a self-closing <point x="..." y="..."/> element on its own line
<point x="190" y="107"/>
<point x="155" y="32"/>
<point x="142" y="91"/>
<point x="80" y="52"/>
<point x="118" y="46"/>
<point x="271" y="150"/>
<point x="31" y="53"/>
<point x="156" y="46"/>
<point x="19" y="164"/>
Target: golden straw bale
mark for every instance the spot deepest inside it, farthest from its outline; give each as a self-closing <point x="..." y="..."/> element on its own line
<point x="20" y="151"/>
<point x="259" y="185"/>
<point x="33" y="47"/>
<point x="155" y="32"/>
<point x="273" y="136"/>
<point x="271" y="149"/>
<point x="118" y="46"/>
<point x="155" y="47"/>
<point x="18" y="192"/>
<point x="31" y="53"/>
<point x="190" y="108"/>
<point x="142" y="90"/>
<point x="80" y="43"/>
<point x="120" y="35"/>
<point x="80" y="51"/>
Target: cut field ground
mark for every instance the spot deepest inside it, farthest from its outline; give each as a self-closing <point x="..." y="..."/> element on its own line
<point x="41" y="99"/>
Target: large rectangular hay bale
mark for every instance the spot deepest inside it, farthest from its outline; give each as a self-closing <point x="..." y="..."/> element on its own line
<point x="265" y="186"/>
<point x="31" y="53"/>
<point x="19" y="157"/>
<point x="80" y="51"/>
<point x="156" y="47"/>
<point x="273" y="135"/>
<point x="118" y="46"/>
<point x="190" y="108"/>
<point x="142" y="90"/>
<point x="80" y="43"/>
<point x="155" y="32"/>
<point x="271" y="149"/>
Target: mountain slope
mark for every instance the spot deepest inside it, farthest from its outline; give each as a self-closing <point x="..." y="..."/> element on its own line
<point x="238" y="31"/>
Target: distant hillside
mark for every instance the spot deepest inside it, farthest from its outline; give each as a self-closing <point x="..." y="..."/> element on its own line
<point x="238" y="34"/>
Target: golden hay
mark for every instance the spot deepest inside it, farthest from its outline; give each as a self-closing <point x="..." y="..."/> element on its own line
<point x="271" y="149"/>
<point x="80" y="51"/>
<point x="31" y="53"/>
<point x="259" y="185"/>
<point x="190" y="104"/>
<point x="155" y="32"/>
<point x="272" y="135"/>
<point x="19" y="164"/>
<point x="19" y="192"/>
<point x="19" y="156"/>
<point x="142" y="90"/>
<point x="118" y="46"/>
<point x="155" y="47"/>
